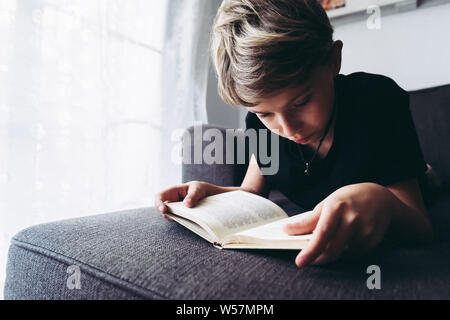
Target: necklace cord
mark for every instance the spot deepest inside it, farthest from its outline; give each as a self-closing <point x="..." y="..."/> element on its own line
<point x="330" y="121"/>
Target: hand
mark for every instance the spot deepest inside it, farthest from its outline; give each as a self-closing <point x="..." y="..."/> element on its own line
<point x="353" y="219"/>
<point x="190" y="193"/>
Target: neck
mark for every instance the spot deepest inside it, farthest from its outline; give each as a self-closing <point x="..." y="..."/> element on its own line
<point x="326" y="143"/>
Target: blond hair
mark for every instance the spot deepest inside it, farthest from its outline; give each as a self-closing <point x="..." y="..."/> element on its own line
<point x="261" y="46"/>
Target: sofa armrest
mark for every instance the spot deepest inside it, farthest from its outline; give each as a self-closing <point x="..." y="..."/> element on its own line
<point x="204" y="149"/>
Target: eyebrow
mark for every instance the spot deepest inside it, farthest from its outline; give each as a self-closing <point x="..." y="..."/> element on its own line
<point x="304" y="93"/>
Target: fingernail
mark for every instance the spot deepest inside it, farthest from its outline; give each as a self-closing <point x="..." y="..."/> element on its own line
<point x="299" y="261"/>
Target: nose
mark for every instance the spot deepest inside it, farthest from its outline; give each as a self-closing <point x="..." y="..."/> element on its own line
<point x="288" y="126"/>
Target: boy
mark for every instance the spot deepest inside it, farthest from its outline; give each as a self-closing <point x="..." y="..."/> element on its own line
<point x="348" y="148"/>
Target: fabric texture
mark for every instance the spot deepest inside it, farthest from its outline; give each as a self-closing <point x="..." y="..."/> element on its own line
<point x="374" y="141"/>
<point x="87" y="104"/>
<point x="221" y="174"/>
<point x="138" y="254"/>
<point x="431" y="113"/>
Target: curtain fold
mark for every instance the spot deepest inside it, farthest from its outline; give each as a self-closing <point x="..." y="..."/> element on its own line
<point x="185" y="75"/>
<point x="90" y="95"/>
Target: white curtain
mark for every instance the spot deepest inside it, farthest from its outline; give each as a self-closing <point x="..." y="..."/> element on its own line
<point x="186" y="54"/>
<point x="91" y="92"/>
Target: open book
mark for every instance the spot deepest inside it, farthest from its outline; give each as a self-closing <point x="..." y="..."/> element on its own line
<point x="238" y="220"/>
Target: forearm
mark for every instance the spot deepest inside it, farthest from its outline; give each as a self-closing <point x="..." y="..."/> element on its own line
<point x="408" y="225"/>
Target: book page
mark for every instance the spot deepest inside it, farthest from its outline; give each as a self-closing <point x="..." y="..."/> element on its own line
<point x="269" y="233"/>
<point x="230" y="212"/>
<point x="193" y="227"/>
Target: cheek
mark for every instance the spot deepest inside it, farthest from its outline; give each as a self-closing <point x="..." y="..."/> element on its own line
<point x="320" y="112"/>
<point x="273" y="126"/>
<point x="312" y="117"/>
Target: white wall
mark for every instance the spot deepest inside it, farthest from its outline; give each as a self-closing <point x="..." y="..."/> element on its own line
<point x="411" y="47"/>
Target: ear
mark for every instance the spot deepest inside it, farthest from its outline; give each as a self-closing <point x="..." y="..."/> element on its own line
<point x="336" y="59"/>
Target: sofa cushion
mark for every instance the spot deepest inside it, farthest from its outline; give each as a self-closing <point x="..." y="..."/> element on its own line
<point x="430" y="109"/>
<point x="137" y="254"/>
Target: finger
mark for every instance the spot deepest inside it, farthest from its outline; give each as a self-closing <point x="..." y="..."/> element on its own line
<point x="355" y="246"/>
<point x="307" y="223"/>
<point x="327" y="226"/>
<point x="362" y="245"/>
<point x="159" y="204"/>
<point x="337" y="245"/>
<point x="173" y="194"/>
<point x="193" y="195"/>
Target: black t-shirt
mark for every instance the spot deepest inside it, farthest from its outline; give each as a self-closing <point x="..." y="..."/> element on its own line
<point x="374" y="141"/>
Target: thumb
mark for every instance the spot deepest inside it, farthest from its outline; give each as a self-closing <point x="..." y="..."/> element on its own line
<point x="306" y="224"/>
<point x="192" y="196"/>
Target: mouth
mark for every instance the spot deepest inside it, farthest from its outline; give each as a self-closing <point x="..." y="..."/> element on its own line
<point x="303" y="141"/>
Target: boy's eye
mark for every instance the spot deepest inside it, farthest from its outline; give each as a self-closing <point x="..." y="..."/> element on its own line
<point x="264" y="115"/>
<point x="303" y="103"/>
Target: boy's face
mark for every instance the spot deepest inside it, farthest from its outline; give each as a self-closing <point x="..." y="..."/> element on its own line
<point x="301" y="113"/>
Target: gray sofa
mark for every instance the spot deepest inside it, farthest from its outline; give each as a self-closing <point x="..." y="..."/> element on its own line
<point x="137" y="254"/>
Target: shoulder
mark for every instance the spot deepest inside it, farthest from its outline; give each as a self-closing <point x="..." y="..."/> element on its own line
<point x="371" y="85"/>
<point x="374" y="94"/>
